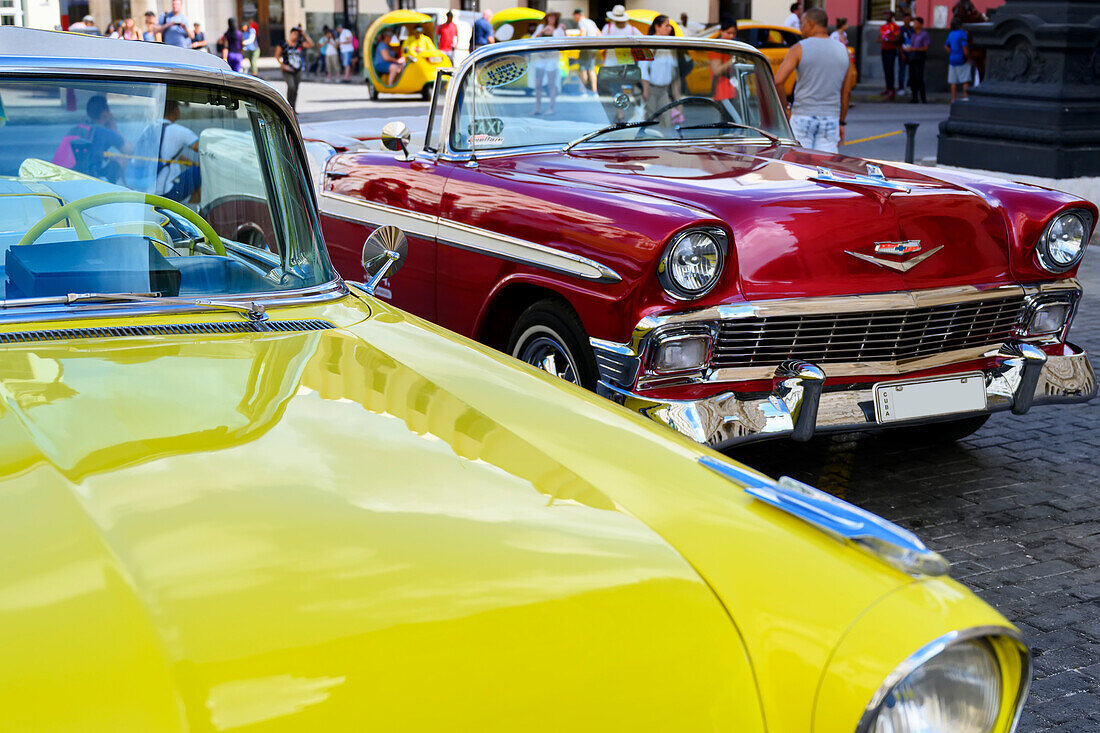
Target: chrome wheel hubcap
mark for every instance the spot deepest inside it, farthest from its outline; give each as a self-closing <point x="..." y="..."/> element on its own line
<point x="551" y="356"/>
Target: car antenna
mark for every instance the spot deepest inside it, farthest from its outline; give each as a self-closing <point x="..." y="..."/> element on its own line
<point x="472" y="162"/>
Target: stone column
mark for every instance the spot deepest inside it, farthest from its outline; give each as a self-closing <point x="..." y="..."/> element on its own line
<point x="1037" y="111"/>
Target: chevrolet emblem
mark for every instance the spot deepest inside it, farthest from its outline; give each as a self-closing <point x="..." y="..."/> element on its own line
<point x="896" y="248"/>
<point x="908" y="247"/>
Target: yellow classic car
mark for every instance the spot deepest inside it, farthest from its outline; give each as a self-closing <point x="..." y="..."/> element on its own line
<point x="240" y="493"/>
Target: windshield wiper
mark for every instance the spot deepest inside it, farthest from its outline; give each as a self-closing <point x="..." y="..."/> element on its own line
<point x="254" y="311"/>
<point x="724" y="124"/>
<point x="610" y="128"/>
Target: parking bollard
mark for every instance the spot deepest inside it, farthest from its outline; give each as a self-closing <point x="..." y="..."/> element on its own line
<point x="910" y="140"/>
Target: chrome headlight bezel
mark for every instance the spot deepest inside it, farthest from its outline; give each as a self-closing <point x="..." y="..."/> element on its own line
<point x="1035" y="304"/>
<point x="1043" y="251"/>
<point x="1000" y="640"/>
<point x="665" y="271"/>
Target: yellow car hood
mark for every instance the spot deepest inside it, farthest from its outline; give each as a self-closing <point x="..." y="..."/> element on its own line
<point x="378" y="526"/>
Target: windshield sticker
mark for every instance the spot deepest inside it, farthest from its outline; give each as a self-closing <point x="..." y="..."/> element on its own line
<point x="624" y="56"/>
<point x="486" y="140"/>
<point x="501" y="71"/>
<point x="493" y="126"/>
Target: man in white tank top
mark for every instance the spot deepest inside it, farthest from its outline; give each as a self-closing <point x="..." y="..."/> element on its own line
<point x="821" y="94"/>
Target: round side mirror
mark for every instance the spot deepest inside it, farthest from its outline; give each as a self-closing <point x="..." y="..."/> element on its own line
<point x="395" y="137"/>
<point x="384" y="252"/>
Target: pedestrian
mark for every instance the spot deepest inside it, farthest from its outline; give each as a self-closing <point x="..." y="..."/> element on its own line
<point x="889" y="37"/>
<point x="586" y="61"/>
<point x="906" y="31"/>
<point x="151" y="34"/>
<point x="840" y="35"/>
<point x="903" y="8"/>
<point x="233" y="45"/>
<point x="661" y="77"/>
<point x="86" y="26"/>
<point x="917" y="51"/>
<point x="251" y="45"/>
<point x="821" y="101"/>
<point x="547" y="69"/>
<point x="722" y="63"/>
<point x="793" y="20"/>
<point x="483" y="31"/>
<point x="958" y="65"/>
<point x="179" y="175"/>
<point x="618" y="23"/>
<point x="967" y="12"/>
<point x="386" y="64"/>
<point x="291" y="55"/>
<point x="346" y="40"/>
<point x="330" y="51"/>
<point x="174" y="27"/>
<point x="112" y="30"/>
<point x="198" y="38"/>
<point x="130" y="31"/>
<point x="102" y="135"/>
<point x="447" y="33"/>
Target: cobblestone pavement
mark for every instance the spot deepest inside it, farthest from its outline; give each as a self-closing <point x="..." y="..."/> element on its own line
<point x="1016" y="509"/>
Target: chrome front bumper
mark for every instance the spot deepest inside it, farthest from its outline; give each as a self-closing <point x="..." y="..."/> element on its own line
<point x="799" y="407"/>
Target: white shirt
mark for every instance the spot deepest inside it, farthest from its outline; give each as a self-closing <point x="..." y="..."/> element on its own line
<point x="346" y="41"/>
<point x="840" y="37"/>
<point x="792" y="21"/>
<point x="177" y="138"/>
<point x="558" y="32"/>
<point x="588" y="27"/>
<point x="613" y="30"/>
<point x="661" y="70"/>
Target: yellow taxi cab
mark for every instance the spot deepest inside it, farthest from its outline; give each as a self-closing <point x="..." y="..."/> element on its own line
<point x="421" y="66"/>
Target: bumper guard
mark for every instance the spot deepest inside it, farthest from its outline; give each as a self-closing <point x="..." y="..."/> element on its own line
<point x="798" y="407"/>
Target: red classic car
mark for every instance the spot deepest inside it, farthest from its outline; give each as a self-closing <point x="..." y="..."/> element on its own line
<point x="667" y="242"/>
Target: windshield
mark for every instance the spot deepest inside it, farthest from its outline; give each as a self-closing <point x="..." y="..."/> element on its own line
<point x="131" y="187"/>
<point x="646" y="93"/>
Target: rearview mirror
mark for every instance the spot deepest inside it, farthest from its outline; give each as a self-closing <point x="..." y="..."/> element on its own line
<point x="383" y="254"/>
<point x="395" y="137"/>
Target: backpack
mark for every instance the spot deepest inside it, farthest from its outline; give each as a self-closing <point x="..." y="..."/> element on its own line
<point x="74" y="149"/>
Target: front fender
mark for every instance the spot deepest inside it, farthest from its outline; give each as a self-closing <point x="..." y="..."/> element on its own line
<point x="892" y="630"/>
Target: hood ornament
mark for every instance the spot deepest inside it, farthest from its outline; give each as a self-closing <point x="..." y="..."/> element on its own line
<point x="897" y="249"/>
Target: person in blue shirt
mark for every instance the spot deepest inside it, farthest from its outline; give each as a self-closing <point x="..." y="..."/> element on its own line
<point x="958" y="65"/>
<point x="175" y="28"/>
<point x="483" y="31"/>
<point x="387" y="65"/>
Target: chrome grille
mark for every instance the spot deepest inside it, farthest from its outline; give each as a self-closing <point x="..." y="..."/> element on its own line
<point x="866" y="336"/>
<point x="165" y="329"/>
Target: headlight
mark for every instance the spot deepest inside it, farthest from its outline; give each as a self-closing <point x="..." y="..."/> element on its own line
<point x="681" y="352"/>
<point x="1063" y="242"/>
<point x="692" y="263"/>
<point x="964" y="683"/>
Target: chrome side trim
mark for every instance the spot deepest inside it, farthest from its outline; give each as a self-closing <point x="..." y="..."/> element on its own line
<point x="875" y="180"/>
<point x="476" y="239"/>
<point x="354" y="209"/>
<point x="938" y="645"/>
<point x="463" y="236"/>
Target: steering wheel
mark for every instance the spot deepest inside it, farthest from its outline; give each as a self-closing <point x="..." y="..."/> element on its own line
<point x="74" y="211"/>
<point x="692" y="99"/>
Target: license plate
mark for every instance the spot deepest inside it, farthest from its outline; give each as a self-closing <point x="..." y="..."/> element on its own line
<point x="929" y="397"/>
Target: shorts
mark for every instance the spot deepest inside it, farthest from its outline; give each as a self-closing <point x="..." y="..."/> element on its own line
<point x="383" y="69"/>
<point x="345" y="58"/>
<point x="959" y="74"/>
<point x="182" y="188"/>
<point x="816" y="132"/>
<point x="587" y="60"/>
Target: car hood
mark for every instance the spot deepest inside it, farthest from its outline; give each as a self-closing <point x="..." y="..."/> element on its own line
<point x="793" y="231"/>
<point x="380" y="522"/>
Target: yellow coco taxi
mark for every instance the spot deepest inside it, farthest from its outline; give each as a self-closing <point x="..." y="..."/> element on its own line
<point x="421" y="57"/>
<point x="238" y="493"/>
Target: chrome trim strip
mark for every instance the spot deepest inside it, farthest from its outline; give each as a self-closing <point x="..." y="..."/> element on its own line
<point x="463" y="236"/>
<point x="519" y="250"/>
<point x="329" y="291"/>
<point x="938" y="645"/>
<point x="354" y="209"/>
